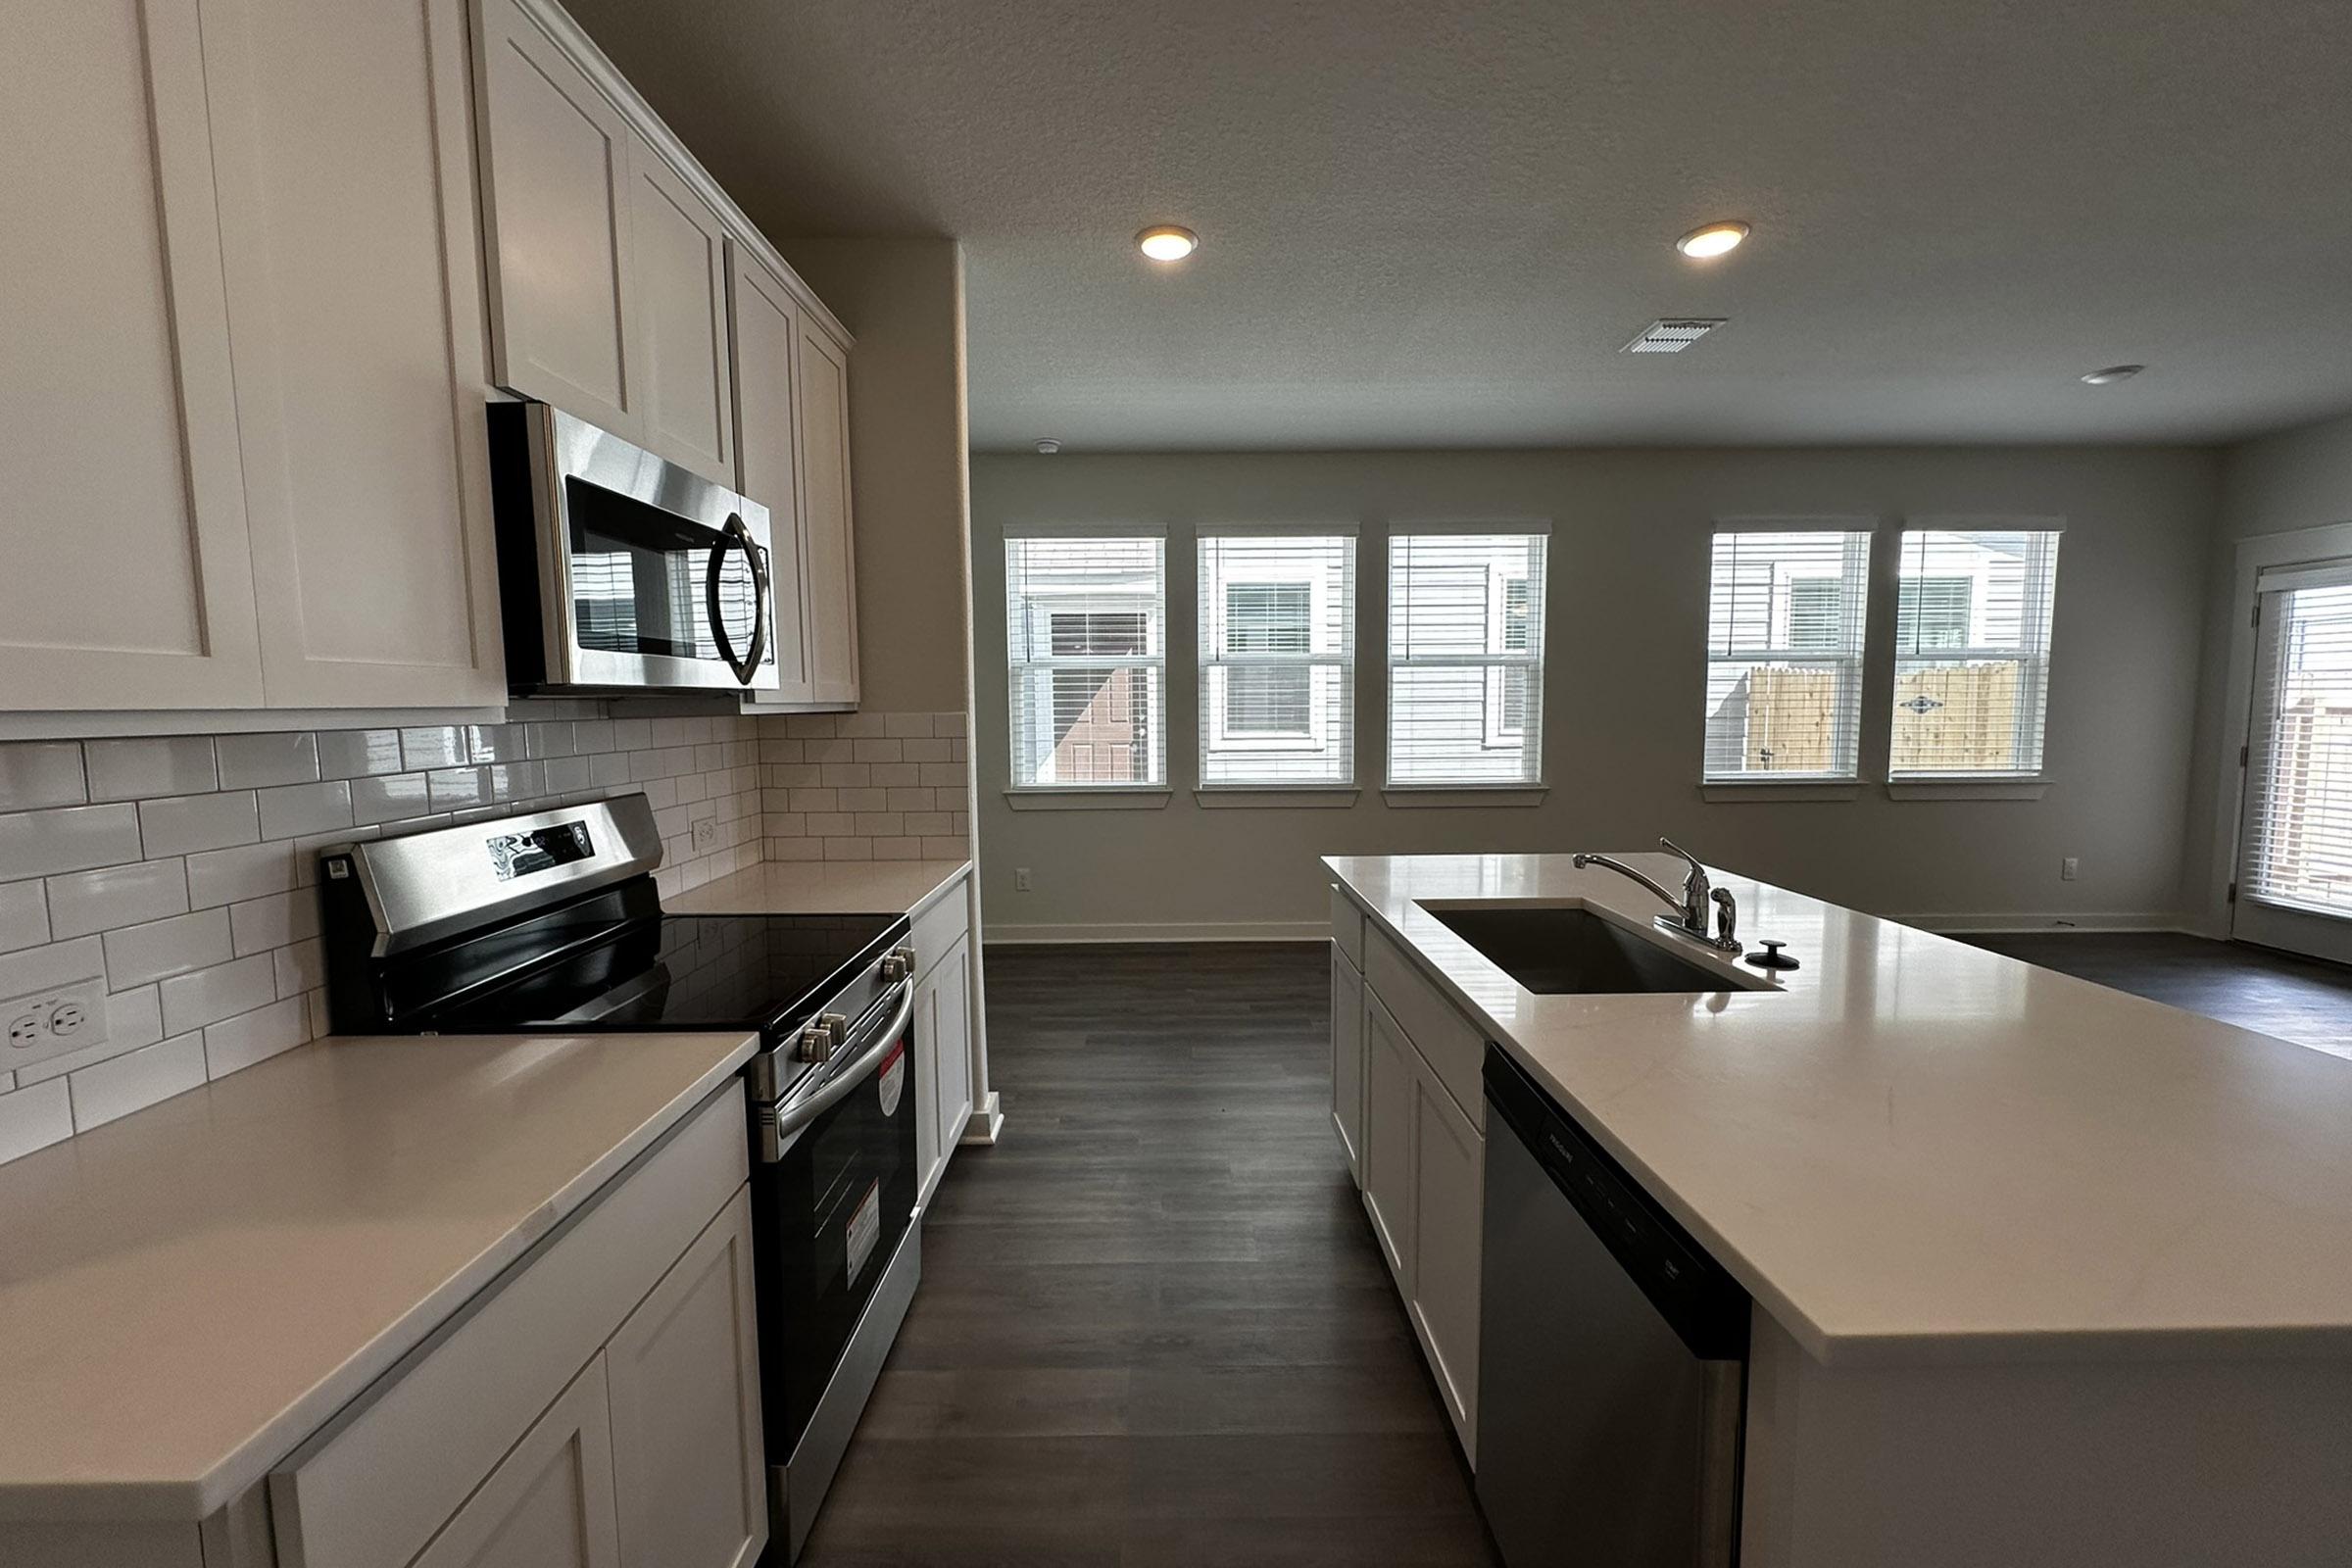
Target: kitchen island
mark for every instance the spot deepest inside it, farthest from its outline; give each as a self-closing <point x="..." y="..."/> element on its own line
<point x="2042" y="1272"/>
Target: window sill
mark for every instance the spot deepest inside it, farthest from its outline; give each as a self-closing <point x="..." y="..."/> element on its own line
<point x="1090" y="798"/>
<point x="1967" y="789"/>
<point x="1464" y="795"/>
<point x="1773" y="789"/>
<point x="1276" y="797"/>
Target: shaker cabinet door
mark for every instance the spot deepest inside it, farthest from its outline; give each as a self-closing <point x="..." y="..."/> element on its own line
<point x="766" y="326"/>
<point x="1348" y="1058"/>
<point x="678" y="272"/>
<point x="954" y="1071"/>
<point x="1448" y="1184"/>
<point x="127" y="581"/>
<point x="1392" y="1077"/>
<point x="687" y="1455"/>
<point x="549" y="1503"/>
<point x="556" y="200"/>
<point x="345" y="159"/>
<point x="822" y="376"/>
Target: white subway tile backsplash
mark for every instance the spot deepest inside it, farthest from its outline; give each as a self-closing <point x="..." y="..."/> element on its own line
<point x="138" y="954"/>
<point x="908" y="724"/>
<point x="431" y="746"/>
<point x="34" y="1118"/>
<point x="183" y="824"/>
<point x="192" y="1001"/>
<point x="264" y="925"/>
<point x="136" y="1080"/>
<point x="67" y="838"/>
<point x="23" y="916"/>
<point x="192" y="894"/>
<point x="39" y="773"/>
<point x="358" y="752"/>
<point x="389" y="797"/>
<point x="256" y="1036"/>
<point x="249" y="762"/>
<point x="147" y="766"/>
<point x="83" y="902"/>
<point x="294" y="810"/>
<point x="247" y="871"/>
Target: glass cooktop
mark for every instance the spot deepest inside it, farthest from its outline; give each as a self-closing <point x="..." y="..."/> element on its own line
<point x="689" y="972"/>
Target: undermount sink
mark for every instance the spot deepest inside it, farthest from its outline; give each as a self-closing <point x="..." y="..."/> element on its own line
<point x="1554" y="950"/>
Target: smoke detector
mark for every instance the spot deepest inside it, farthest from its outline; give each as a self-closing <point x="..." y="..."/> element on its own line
<point x="1673" y="334"/>
<point x="1047" y="446"/>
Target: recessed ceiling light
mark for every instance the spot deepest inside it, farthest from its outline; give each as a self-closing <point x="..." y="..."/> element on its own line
<point x="1713" y="240"/>
<point x="1047" y="446"/>
<point x="1165" y="242"/>
<point x="2113" y="373"/>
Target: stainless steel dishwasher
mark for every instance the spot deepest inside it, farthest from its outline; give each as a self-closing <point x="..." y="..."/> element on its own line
<point x="1612" y="1357"/>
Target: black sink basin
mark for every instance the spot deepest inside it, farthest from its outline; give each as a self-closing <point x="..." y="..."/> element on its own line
<point x="1556" y="951"/>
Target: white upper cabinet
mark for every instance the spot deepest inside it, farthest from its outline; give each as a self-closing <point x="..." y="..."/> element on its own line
<point x="557" y="205"/>
<point x="128" y="582"/>
<point x="822" y="370"/>
<point x="766" y="326"/>
<point x="345" y="160"/>
<point x="679" y="270"/>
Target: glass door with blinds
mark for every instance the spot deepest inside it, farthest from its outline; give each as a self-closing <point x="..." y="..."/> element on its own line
<point x="2294" y="876"/>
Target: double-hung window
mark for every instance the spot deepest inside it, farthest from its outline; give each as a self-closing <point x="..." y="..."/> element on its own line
<point x="1785" y="619"/>
<point x="1972" y="651"/>
<point x="1277" y="658"/>
<point x="1085" y="624"/>
<point x="1465" y="657"/>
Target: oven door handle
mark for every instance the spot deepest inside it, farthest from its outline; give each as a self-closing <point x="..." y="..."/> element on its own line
<point x="780" y="1122"/>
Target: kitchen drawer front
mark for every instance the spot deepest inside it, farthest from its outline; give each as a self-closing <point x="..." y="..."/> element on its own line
<point x="1450" y="1043"/>
<point x="940" y="927"/>
<point x="1347" y="927"/>
<point x="375" y="1483"/>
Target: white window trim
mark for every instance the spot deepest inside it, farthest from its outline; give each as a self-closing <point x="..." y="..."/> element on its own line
<point x="1855" y="583"/>
<point x="2033" y="656"/>
<point x="1528" y="791"/>
<point x="1156" y="662"/>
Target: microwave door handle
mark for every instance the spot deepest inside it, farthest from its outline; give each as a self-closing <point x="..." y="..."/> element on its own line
<point x="735" y="535"/>
<point x="780" y="1123"/>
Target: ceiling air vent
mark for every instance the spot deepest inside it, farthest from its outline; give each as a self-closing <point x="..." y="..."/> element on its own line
<point x="1673" y="336"/>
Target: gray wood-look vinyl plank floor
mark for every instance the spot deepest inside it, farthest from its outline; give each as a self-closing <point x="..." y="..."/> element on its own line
<point x="1154" y="1326"/>
<point x="2280" y="993"/>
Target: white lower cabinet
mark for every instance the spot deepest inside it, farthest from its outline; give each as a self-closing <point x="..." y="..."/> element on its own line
<point x="685" y="1391"/>
<point x="942" y="1034"/>
<point x="1391" y="1075"/>
<point x="597" y="1405"/>
<point x="550" y="1502"/>
<point x="1348" y="1058"/>
<point x="1421" y="1160"/>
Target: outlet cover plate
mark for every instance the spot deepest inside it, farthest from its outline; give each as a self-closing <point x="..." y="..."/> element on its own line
<point x="705" y="834"/>
<point x="56" y="1022"/>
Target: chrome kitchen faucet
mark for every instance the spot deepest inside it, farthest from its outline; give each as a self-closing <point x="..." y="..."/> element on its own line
<point x="1692" y="901"/>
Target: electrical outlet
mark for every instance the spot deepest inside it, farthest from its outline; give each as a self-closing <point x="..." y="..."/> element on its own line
<point x="1021" y="879"/>
<point x="705" y="835"/>
<point x="2069" y="869"/>
<point x="53" y="1023"/>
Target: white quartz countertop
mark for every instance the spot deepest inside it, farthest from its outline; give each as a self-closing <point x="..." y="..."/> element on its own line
<point x="1917" y="1151"/>
<point x="187" y="1294"/>
<point x="822" y="887"/>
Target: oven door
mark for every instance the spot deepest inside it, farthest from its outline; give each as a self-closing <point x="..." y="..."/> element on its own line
<point x="653" y="575"/>
<point x="833" y="1197"/>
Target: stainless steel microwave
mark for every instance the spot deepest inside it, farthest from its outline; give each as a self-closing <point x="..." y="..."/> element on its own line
<point x="618" y="569"/>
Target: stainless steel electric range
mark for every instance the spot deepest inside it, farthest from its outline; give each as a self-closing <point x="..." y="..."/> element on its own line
<point x="551" y="922"/>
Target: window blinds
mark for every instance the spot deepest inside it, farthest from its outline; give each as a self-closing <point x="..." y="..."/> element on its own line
<point x="1085" y="624"/>
<point x="1465" y="657"/>
<point x="1277" y="659"/>
<point x="1972" y="651"/>
<point x="1786" y="618"/>
<point x="2298" y="850"/>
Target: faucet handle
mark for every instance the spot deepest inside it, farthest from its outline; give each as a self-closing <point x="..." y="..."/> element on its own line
<point x="1669" y="845"/>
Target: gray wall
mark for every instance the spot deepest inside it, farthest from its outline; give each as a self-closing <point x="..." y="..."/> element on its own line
<point x="1625" y="667"/>
<point x="2297" y="479"/>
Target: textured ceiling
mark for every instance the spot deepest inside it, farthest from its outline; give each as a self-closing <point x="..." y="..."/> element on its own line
<point x="1433" y="222"/>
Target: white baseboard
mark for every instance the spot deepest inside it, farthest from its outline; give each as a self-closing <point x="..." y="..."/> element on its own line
<point x="999" y="931"/>
<point x="1989" y="924"/>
